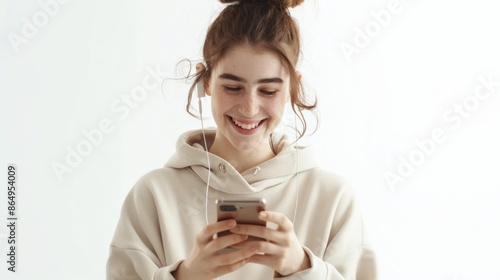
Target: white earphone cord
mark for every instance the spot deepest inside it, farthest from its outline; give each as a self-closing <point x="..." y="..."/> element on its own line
<point x="208" y="158"/>
<point x="297" y="186"/>
<point x="200" y="107"/>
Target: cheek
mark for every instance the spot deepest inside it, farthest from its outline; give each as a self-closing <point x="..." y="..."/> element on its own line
<point x="219" y="104"/>
<point x="277" y="108"/>
<point x="216" y="108"/>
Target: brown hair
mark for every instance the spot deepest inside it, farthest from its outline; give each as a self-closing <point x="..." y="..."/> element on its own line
<point x="261" y="23"/>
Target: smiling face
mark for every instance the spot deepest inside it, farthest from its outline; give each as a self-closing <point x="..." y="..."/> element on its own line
<point x="250" y="88"/>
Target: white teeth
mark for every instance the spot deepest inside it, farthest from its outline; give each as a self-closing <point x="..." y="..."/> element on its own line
<point x="244" y="125"/>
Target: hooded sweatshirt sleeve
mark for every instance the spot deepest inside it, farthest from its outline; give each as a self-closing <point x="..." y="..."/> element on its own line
<point x="136" y="251"/>
<point x="347" y="256"/>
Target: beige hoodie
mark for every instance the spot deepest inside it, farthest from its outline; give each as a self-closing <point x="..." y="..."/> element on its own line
<point x="166" y="209"/>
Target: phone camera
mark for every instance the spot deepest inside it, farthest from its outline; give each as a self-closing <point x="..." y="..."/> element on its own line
<point x="228" y="208"/>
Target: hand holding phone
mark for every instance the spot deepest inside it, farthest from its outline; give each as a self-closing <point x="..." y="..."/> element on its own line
<point x="244" y="211"/>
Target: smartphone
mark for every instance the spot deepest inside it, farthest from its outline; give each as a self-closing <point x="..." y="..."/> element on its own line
<point x="244" y="211"/>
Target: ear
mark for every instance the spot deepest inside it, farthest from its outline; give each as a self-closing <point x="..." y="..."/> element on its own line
<point x="299" y="75"/>
<point x="200" y="67"/>
<point x="207" y="87"/>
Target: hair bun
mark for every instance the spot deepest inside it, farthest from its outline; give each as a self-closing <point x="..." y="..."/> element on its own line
<point x="228" y="1"/>
<point x="293" y="3"/>
<point x="287" y="3"/>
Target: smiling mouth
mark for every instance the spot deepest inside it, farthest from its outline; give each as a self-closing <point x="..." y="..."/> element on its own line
<point x="246" y="126"/>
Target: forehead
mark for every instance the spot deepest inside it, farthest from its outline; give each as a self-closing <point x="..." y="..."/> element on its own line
<point x="256" y="62"/>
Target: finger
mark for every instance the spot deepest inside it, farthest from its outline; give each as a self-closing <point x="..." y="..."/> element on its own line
<point x="206" y="235"/>
<point x="260" y="232"/>
<point x="264" y="259"/>
<point x="226" y="241"/>
<point x="222" y="270"/>
<point x="262" y="247"/>
<point x="229" y="261"/>
<point x="278" y="218"/>
<point x="234" y="256"/>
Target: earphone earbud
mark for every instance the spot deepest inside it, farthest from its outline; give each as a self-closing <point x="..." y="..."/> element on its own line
<point x="200" y="88"/>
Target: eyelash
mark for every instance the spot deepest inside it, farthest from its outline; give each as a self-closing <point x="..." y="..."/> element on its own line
<point x="265" y="92"/>
<point x="268" y="92"/>
<point x="232" y="89"/>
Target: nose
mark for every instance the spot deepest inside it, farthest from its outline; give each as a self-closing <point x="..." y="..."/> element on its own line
<point x="249" y="104"/>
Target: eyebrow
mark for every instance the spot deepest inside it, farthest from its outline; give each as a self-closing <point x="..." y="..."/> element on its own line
<point x="240" y="79"/>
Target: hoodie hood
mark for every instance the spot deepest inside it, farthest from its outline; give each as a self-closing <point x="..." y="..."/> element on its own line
<point x="190" y="153"/>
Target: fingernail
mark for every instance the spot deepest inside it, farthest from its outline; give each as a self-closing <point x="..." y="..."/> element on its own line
<point x="263" y="215"/>
<point x="231" y="223"/>
<point x="244" y="237"/>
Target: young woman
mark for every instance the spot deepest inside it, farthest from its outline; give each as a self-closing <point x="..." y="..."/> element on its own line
<point x="167" y="228"/>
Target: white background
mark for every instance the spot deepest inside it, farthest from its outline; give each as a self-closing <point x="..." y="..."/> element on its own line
<point x="441" y="222"/>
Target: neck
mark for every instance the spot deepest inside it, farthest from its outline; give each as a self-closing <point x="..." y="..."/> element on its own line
<point x="241" y="159"/>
